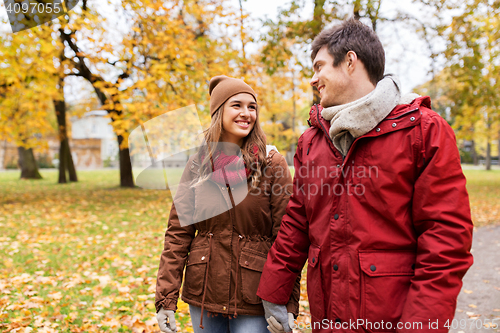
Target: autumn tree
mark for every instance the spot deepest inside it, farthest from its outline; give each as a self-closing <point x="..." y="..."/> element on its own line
<point x="287" y="30"/>
<point x="472" y="53"/>
<point x="51" y="73"/>
<point x="285" y="58"/>
<point x="27" y="88"/>
<point x="163" y="62"/>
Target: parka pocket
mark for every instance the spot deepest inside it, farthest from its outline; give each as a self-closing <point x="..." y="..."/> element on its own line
<point x="314" y="284"/>
<point x="251" y="265"/>
<point x="195" y="271"/>
<point x="385" y="282"/>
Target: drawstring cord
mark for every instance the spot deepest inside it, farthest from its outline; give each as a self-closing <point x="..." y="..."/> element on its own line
<point x="231" y="213"/>
<point x="206" y="277"/>
<point x="237" y="274"/>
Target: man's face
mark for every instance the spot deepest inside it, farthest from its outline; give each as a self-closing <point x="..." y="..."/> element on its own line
<point x="334" y="83"/>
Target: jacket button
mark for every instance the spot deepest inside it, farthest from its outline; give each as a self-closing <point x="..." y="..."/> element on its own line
<point x="313" y="260"/>
<point x="335" y="267"/>
<point x="224" y="308"/>
<point x="413" y="266"/>
<point x="394" y="125"/>
<point x="203" y="258"/>
<point x="378" y="129"/>
<point x="246" y="263"/>
<point x="373" y="268"/>
<point x="336" y="216"/>
<point x="337" y="320"/>
<point x="412" y="119"/>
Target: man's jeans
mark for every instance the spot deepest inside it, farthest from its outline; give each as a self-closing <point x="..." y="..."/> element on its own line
<point x="219" y="324"/>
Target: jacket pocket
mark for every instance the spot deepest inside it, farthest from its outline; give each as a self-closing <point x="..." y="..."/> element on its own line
<point x="251" y="266"/>
<point x="385" y="282"/>
<point x="195" y="271"/>
<point x="314" y="284"/>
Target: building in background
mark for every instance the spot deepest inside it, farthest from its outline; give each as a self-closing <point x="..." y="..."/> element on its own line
<point x="92" y="141"/>
<point x="95" y="125"/>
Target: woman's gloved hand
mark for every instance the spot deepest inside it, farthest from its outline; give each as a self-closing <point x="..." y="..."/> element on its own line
<point x="277" y="317"/>
<point x="166" y="321"/>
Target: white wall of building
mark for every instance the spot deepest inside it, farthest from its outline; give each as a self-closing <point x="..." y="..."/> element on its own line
<point x="96" y="125"/>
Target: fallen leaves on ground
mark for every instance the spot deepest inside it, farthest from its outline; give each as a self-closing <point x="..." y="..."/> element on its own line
<point x="82" y="257"/>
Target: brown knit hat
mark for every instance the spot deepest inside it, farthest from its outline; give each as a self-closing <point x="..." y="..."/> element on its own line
<point x="222" y="88"/>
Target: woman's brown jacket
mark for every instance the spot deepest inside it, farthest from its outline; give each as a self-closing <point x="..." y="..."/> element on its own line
<point x="224" y="255"/>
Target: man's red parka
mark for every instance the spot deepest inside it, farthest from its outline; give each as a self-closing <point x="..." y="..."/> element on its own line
<point x="386" y="230"/>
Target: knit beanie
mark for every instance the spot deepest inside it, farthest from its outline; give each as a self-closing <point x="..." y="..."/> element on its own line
<point x="222" y="88"/>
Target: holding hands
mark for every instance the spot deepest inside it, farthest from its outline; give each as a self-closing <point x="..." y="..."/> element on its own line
<point x="277" y="317"/>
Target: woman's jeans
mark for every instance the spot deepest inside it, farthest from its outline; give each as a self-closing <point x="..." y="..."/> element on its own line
<point x="219" y="324"/>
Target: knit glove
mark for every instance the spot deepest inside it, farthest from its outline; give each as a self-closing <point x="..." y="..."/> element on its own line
<point x="277" y="317"/>
<point x="166" y="320"/>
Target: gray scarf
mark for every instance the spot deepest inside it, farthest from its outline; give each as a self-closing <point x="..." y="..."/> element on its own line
<point x="352" y="120"/>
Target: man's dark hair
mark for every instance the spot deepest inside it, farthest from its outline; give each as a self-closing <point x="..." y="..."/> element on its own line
<point x="352" y="35"/>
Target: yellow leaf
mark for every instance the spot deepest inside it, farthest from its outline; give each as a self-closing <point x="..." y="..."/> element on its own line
<point x="119" y="299"/>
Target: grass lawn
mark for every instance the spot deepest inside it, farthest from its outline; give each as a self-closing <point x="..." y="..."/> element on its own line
<point x="80" y="257"/>
<point x="83" y="257"/>
<point x="484" y="195"/>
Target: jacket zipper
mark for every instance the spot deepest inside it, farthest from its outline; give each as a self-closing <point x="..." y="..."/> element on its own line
<point x="323" y="127"/>
<point x="327" y="134"/>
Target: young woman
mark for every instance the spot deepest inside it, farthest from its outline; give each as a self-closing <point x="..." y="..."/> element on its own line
<point x="223" y="222"/>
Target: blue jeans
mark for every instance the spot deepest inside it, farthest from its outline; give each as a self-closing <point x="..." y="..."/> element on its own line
<point x="219" y="324"/>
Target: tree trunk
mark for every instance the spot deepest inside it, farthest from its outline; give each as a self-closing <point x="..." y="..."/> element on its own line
<point x="71" y="166"/>
<point x="498" y="148"/>
<point x="488" y="156"/>
<point x="126" y="178"/>
<point x="65" y="158"/>
<point x="319" y="23"/>
<point x="473" y="153"/>
<point x="27" y="163"/>
<point x="357" y="9"/>
<point x="62" y="162"/>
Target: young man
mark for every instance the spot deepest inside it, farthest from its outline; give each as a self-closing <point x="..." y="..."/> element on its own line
<point x="379" y="207"/>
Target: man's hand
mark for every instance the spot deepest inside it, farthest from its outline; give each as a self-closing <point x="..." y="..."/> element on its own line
<point x="166" y="321"/>
<point x="277" y="317"/>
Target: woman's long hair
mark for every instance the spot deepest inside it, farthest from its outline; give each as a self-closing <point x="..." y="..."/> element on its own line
<point x="213" y="135"/>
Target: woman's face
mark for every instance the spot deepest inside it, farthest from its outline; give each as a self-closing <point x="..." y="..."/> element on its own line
<point x="238" y="118"/>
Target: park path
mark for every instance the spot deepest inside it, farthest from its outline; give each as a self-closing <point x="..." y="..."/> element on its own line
<point x="479" y="299"/>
